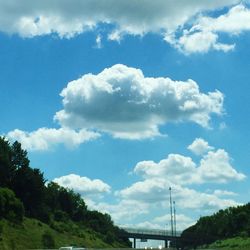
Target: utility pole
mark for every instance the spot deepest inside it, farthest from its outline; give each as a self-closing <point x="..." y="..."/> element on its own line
<point x="176" y="245"/>
<point x="171" y="212"/>
<point x="174" y="219"/>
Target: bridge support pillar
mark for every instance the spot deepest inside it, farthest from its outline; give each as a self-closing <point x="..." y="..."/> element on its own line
<point x="166" y="243"/>
<point x="134" y="242"/>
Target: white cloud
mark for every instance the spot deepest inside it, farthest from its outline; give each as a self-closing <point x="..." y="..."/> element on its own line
<point x="222" y="193"/>
<point x="214" y="167"/>
<point x="204" y="33"/>
<point x="201" y="201"/>
<point x="83" y="185"/>
<point x="165" y="17"/>
<point x="155" y="191"/>
<point x="123" y="102"/>
<point x="45" y="138"/>
<point x="200" y="42"/>
<point x="69" y="18"/>
<point x="199" y="146"/>
<point x="123" y="211"/>
<point x="128" y="18"/>
<point x="175" y="167"/>
<point x="148" y="191"/>
<point x="143" y="198"/>
<point x="98" y="42"/>
<point x="235" y="21"/>
<point x="182" y="174"/>
<point x="182" y="221"/>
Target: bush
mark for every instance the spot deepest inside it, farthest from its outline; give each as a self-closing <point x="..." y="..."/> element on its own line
<point x="109" y="238"/>
<point x="61" y="216"/>
<point x="11" y="208"/>
<point x="44" y="215"/>
<point x="48" y="240"/>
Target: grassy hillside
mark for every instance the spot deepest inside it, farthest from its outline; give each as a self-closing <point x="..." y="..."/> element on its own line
<point x="236" y="243"/>
<point x="32" y="234"/>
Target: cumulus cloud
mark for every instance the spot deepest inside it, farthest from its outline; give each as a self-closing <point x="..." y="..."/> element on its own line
<point x="204" y="33"/>
<point x="83" y="185"/>
<point x="222" y="193"/>
<point x="123" y="211"/>
<point x="123" y="102"/>
<point x="175" y="167"/>
<point x="45" y="138"/>
<point x="198" y="42"/>
<point x="164" y="17"/>
<point x="182" y="220"/>
<point x="235" y="21"/>
<point x="144" y="197"/>
<point x="199" y="146"/>
<point x="69" y="18"/>
<point x="182" y="174"/>
<point x="214" y="167"/>
<point x="154" y="191"/>
<point x="148" y="191"/>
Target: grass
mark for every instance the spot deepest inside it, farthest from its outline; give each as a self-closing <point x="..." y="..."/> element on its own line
<point x="31" y="235"/>
<point x="237" y="243"/>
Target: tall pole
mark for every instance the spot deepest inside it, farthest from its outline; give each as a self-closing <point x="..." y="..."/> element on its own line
<point x="171" y="212"/>
<point x="174" y="219"/>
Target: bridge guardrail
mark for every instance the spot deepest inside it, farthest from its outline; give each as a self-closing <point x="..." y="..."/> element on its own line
<point x="151" y="231"/>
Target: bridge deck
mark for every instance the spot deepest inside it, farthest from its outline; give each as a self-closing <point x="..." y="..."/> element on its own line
<point x="155" y="232"/>
<point x="151" y="234"/>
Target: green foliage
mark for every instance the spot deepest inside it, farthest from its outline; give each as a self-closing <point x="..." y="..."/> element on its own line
<point x="6" y="168"/>
<point x="231" y="222"/>
<point x="48" y="240"/>
<point x="64" y="203"/>
<point x="29" y="235"/>
<point x="236" y="243"/>
<point x="109" y="238"/>
<point x="59" y="215"/>
<point x="28" y="185"/>
<point x="11" y="208"/>
<point x="19" y="156"/>
<point x="59" y="207"/>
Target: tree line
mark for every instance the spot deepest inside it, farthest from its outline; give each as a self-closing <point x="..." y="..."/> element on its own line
<point x="25" y="192"/>
<point x="227" y="223"/>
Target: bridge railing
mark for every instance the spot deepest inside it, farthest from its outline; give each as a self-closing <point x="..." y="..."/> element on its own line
<point x="151" y="231"/>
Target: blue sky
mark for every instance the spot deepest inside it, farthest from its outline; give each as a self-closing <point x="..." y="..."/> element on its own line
<point x="119" y="101"/>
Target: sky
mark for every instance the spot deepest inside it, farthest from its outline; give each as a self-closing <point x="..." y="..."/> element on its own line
<point x="120" y="100"/>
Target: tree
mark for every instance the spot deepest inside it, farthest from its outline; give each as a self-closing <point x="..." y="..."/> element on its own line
<point x="231" y="222"/>
<point x="11" y="208"/>
<point x="19" y="156"/>
<point x="68" y="202"/>
<point x="6" y="168"/>
<point x="28" y="185"/>
<point x="29" y="194"/>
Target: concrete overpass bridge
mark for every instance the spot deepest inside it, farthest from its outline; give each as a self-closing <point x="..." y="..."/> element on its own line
<point x="151" y="234"/>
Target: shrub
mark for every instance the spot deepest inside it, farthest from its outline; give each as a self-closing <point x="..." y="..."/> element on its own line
<point x="48" y="240"/>
<point x="11" y="208"/>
